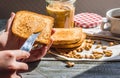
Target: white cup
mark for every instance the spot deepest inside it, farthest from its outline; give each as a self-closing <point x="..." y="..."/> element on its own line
<point x="112" y="21"/>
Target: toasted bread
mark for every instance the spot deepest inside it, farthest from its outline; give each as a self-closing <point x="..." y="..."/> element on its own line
<point x="27" y="23"/>
<point x="73" y="45"/>
<point x="67" y="50"/>
<point x="66" y="35"/>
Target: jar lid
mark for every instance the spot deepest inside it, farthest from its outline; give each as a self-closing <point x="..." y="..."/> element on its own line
<point x="87" y="20"/>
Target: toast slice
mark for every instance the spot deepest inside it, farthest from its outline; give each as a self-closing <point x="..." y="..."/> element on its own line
<point x="27" y="23"/>
<point x="66" y="35"/>
<point x="68" y="50"/>
<point x="73" y="45"/>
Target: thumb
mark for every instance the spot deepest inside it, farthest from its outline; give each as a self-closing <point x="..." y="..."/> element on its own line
<point x="9" y="22"/>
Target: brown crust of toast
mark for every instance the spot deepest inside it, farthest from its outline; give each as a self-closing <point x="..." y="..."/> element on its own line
<point x="67" y="50"/>
<point x="26" y="23"/>
<point x="83" y="37"/>
<point x="66" y="35"/>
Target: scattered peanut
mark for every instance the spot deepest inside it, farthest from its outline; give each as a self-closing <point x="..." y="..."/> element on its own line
<point x="79" y="49"/>
<point x="98" y="46"/>
<point x="88" y="45"/>
<point x="87" y="48"/>
<point x="89" y="41"/>
<point x="78" y="56"/>
<point x="98" y="56"/>
<point x="111" y="43"/>
<point x="74" y="52"/>
<point x="107" y="53"/>
<point x="87" y="56"/>
<point x="104" y="47"/>
<point x="92" y="56"/>
<point x="70" y="64"/>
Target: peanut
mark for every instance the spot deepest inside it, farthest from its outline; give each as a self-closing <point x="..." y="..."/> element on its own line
<point x="104" y="47"/>
<point x="107" y="53"/>
<point x="111" y="43"/>
<point x="98" y="56"/>
<point x="98" y="46"/>
<point x="70" y="64"/>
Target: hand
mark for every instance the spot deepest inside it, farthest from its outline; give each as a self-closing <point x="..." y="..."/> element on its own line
<point x="37" y="54"/>
<point x="8" y="57"/>
<point x="8" y="41"/>
<point x="9" y="65"/>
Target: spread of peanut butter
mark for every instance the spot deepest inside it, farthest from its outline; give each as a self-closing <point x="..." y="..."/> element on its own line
<point x="63" y="14"/>
<point x="32" y="25"/>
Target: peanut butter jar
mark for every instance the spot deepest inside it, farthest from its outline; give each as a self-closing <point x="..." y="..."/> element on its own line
<point x="62" y="11"/>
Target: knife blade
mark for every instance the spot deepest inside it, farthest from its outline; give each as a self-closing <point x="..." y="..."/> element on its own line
<point x="28" y="44"/>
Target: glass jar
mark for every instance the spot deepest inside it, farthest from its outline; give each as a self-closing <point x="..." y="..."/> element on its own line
<point x="62" y="11"/>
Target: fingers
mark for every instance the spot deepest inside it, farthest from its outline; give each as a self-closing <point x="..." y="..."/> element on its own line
<point x="9" y="59"/>
<point x="53" y="31"/>
<point x="44" y="50"/>
<point x="9" y="22"/>
<point x="17" y="54"/>
<point x="20" y="54"/>
<point x="17" y="66"/>
<point x="40" y="52"/>
<point x="51" y="42"/>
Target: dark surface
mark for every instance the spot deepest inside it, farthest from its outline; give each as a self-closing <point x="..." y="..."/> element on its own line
<point x="57" y="69"/>
<point x="96" y="6"/>
<point x="50" y="67"/>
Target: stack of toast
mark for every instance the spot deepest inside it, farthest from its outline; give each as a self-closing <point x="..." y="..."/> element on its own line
<point x="68" y="37"/>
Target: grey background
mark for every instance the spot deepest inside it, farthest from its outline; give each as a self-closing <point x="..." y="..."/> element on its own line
<point x="96" y="6"/>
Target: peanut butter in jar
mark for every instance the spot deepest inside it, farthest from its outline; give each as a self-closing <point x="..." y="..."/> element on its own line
<point x="62" y="11"/>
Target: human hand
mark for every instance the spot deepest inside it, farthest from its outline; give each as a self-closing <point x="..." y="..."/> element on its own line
<point x="38" y="53"/>
<point x="8" y="41"/>
<point x="9" y="63"/>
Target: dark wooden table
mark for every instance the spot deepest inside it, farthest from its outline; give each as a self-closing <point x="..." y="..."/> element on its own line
<point x="50" y="67"/>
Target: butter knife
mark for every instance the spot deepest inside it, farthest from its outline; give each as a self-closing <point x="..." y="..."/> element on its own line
<point x="28" y="44"/>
